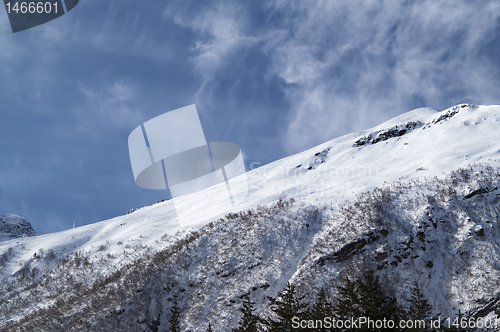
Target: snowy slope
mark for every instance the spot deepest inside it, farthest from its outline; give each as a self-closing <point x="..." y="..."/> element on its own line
<point x="282" y="242"/>
<point x="13" y="226"/>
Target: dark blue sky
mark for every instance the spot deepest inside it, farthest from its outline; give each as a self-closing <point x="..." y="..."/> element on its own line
<point x="275" y="77"/>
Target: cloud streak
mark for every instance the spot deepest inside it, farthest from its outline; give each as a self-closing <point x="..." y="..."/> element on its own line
<point x="374" y="61"/>
<point x="222" y="28"/>
<point x="347" y="65"/>
<point x="110" y="105"/>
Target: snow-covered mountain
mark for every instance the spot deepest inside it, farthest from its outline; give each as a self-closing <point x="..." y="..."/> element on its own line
<point x="415" y="198"/>
<point x="13" y="226"/>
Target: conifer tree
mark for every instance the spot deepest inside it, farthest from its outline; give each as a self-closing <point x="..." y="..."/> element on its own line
<point x="210" y="328"/>
<point x="419" y="308"/>
<point x="365" y="297"/>
<point x="175" y="325"/>
<point x="321" y="309"/>
<point x="347" y="304"/>
<point x="248" y="322"/>
<point x="285" y="306"/>
<point x="373" y="301"/>
<point x="461" y="323"/>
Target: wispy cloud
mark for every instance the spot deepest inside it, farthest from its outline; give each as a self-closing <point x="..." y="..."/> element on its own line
<point x="223" y="31"/>
<point x="351" y="64"/>
<point x="347" y="65"/>
<point x="109" y="105"/>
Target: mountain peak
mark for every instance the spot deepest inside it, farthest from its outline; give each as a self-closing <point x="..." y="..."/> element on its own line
<point x="13" y="226"/>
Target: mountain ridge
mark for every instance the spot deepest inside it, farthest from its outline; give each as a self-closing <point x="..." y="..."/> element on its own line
<point x="276" y="240"/>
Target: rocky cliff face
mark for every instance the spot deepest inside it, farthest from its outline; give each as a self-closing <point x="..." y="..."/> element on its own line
<point x="13" y="226"/>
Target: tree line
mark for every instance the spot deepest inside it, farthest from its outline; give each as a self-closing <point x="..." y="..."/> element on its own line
<point x="357" y="297"/>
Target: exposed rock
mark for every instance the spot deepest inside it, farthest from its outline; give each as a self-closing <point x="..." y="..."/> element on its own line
<point x="13" y="226"/>
<point x="447" y="115"/>
<point x="384" y="232"/>
<point x="381" y="256"/>
<point x="317" y="159"/>
<point x="480" y="191"/>
<point x="351" y="248"/>
<point x="479" y="230"/>
<point x="385" y="134"/>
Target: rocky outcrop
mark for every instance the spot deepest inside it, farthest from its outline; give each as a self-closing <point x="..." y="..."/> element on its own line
<point x="13" y="226"/>
<point x="384" y="135"/>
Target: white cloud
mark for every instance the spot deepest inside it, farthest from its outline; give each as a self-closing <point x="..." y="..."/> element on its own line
<point x="223" y="32"/>
<point x="351" y="64"/>
<point x="109" y="105"/>
<point x="399" y="50"/>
